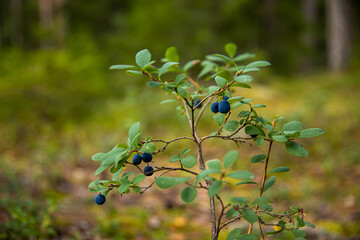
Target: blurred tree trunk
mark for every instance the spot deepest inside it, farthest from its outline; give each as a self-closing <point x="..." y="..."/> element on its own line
<point x="46" y="22"/>
<point x="59" y="28"/>
<point x="310" y="15"/>
<point x="338" y="34"/>
<point x="16" y="22"/>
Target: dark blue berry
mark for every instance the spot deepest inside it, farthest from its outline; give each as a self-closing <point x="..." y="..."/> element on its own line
<point x="215" y="107"/>
<point x="148" y="170"/>
<point x="225" y="97"/>
<point x="224" y="106"/>
<point x="136" y="159"/>
<point x="147" y="157"/>
<point x="196" y="103"/>
<point x="100" y="199"/>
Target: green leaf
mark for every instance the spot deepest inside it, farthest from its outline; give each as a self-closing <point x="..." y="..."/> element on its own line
<point x="134" y="132"/>
<point x="250" y="216"/>
<point x="247" y="236"/>
<point x="172" y="54"/>
<point x="168" y="182"/>
<point x="214" y="164"/>
<point x="179" y="78"/>
<point x="168" y="101"/>
<point x="243" y="56"/>
<point x="311" y="132"/>
<point x="239" y="199"/>
<point x="260" y="141"/>
<point x="142" y="58"/>
<point x="222" y="82"/>
<point x="279" y="170"/>
<point x="234" y="234"/>
<point x="188" y="194"/>
<point x="97" y="156"/>
<point x="268" y="184"/>
<point x="185" y="151"/>
<point x="231" y="126"/>
<point x="246" y="175"/>
<point x="296" y="149"/>
<point x="257" y="158"/>
<point x="230" y="158"/>
<point x="219" y="118"/>
<point x="204" y="173"/>
<point x="190" y="64"/>
<point x="244" y="79"/>
<point x="298" y="233"/>
<point x="258" y="64"/>
<point x="230" y="49"/>
<point x="122" y="66"/>
<point x="124" y="185"/>
<point x="182" y="92"/>
<point x="309" y="224"/>
<point x="255" y="69"/>
<point x="280" y="138"/>
<point x="166" y="67"/>
<point x="231" y="213"/>
<point x="292" y="126"/>
<point x="259" y="106"/>
<point x="188" y="161"/>
<point x="252" y="130"/>
<point x="215" y="188"/>
<point x="154" y="84"/>
<point x="138" y="178"/>
<point x="245" y="182"/>
<point x="134" y="73"/>
<point x="148" y="147"/>
<point x="175" y="158"/>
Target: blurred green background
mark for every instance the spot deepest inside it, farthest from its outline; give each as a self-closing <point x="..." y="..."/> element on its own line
<point x="60" y="104"/>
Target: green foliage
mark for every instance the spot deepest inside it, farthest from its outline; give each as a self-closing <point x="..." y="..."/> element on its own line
<point x="213" y="175"/>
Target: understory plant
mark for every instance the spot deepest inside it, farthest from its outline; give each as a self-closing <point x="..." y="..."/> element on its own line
<point x="238" y="121"/>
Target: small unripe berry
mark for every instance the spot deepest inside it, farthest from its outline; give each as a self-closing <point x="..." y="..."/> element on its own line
<point x="147" y="157"/>
<point x="196" y="103"/>
<point x="100" y="199"/>
<point x="148" y="170"/>
<point x="225" y="97"/>
<point x="136" y="159"/>
<point x="215" y="107"/>
<point x="224" y="106"/>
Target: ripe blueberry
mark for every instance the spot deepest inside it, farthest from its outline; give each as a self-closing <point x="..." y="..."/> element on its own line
<point x="148" y="170"/>
<point x="100" y="199"/>
<point x="196" y="103"/>
<point x="215" y="107"/>
<point x="224" y="106"/>
<point x="147" y="157"/>
<point x="225" y="97"/>
<point x="136" y="159"/>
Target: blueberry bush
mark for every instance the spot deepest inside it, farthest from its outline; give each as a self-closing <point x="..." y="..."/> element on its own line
<point x="219" y="75"/>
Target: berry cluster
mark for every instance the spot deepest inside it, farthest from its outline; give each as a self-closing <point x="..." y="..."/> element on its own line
<point x="223" y="106"/>
<point x="146" y="157"/>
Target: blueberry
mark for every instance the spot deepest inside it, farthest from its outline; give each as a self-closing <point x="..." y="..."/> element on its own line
<point x="196" y="103"/>
<point x="215" y="107"/>
<point x="148" y="170"/>
<point x="136" y="159"/>
<point x="225" y="97"/>
<point x="147" y="157"/>
<point x="100" y="199"/>
<point x="224" y="106"/>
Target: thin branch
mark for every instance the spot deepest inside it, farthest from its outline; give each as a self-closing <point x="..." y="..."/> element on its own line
<point x="168" y="142"/>
<point x="231" y="221"/>
<point x="202" y="111"/>
<point x="263" y="180"/>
